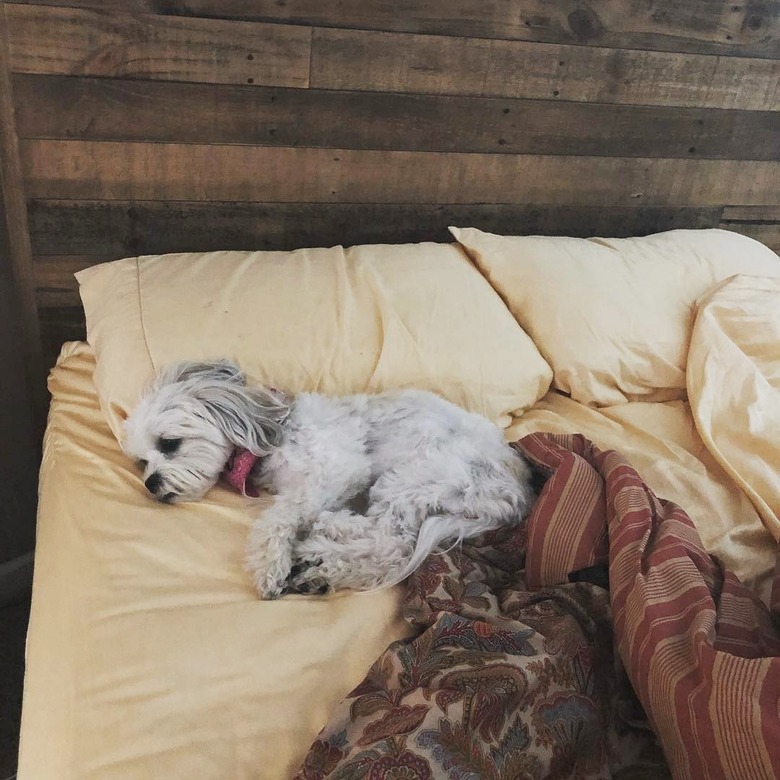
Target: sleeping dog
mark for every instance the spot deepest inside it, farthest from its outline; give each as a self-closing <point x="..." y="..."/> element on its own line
<point x="366" y="485"/>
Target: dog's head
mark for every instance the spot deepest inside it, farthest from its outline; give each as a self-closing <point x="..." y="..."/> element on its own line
<point x="190" y="420"/>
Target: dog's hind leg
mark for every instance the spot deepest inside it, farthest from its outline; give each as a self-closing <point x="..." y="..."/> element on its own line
<point x="441" y="504"/>
<point x="349" y="550"/>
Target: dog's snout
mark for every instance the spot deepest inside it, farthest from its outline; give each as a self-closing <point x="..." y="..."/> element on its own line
<point x="153" y="482"/>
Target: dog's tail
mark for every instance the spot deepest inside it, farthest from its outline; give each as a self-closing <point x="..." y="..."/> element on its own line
<point x="434" y="530"/>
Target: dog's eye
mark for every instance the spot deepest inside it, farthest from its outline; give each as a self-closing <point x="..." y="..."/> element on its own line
<point x="168" y="446"/>
<point x="142" y="464"/>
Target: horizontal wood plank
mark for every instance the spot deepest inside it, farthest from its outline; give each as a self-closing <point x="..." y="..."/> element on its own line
<point x="61" y="107"/>
<point x="694" y="26"/>
<point x="68" y="41"/>
<point x="75" y="41"/>
<point x="397" y="62"/>
<point x="58" y="325"/>
<point x="752" y="213"/>
<point x="55" y="283"/>
<point x="142" y="171"/>
<point x="69" y="235"/>
<point x="24" y="368"/>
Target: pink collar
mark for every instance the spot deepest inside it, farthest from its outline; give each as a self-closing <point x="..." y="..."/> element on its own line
<point x="237" y="471"/>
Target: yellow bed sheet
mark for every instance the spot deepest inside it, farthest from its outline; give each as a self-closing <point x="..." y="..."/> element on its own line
<point x="149" y="655"/>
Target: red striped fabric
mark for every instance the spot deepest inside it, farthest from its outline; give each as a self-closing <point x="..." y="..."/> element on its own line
<point x="701" y="650"/>
<point x="566" y="528"/>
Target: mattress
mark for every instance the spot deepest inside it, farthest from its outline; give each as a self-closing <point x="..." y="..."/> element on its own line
<point x="149" y="654"/>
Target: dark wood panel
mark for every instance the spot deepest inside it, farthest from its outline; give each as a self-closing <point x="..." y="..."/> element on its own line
<point x="67" y="41"/>
<point x="23" y="398"/>
<point x="143" y="171"/>
<point x="750" y="28"/>
<point x="752" y="213"/>
<point x="397" y="62"/>
<point x="98" y="109"/>
<point x="59" y="325"/>
<point x="75" y="41"/>
<point x="15" y="254"/>
<point x="55" y="284"/>
<point x="18" y="437"/>
<point x="85" y="232"/>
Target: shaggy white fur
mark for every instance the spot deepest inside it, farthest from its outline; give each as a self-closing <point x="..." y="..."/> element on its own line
<point x="367" y="485"/>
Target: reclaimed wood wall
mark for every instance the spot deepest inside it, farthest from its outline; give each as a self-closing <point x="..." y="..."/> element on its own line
<point x="149" y="126"/>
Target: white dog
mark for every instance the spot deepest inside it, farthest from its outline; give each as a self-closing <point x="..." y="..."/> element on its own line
<point x="367" y="485"/>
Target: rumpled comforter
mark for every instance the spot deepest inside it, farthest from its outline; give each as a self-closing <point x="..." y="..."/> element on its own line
<point x="600" y="639"/>
<point x="527" y="666"/>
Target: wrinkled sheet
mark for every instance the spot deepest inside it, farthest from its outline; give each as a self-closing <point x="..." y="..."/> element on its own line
<point x="503" y="681"/>
<point x="734" y="386"/>
<point x="661" y="441"/>
<point x="148" y="652"/>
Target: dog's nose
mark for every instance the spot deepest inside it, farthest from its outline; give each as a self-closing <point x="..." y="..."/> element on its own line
<point x="153" y="482"/>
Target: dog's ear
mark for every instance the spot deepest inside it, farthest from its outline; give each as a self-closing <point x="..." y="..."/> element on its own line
<point x="249" y="417"/>
<point x="212" y="371"/>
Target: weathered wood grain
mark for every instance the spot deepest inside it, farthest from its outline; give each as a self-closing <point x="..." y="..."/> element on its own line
<point x="66" y="107"/>
<point x="15" y="254"/>
<point x="86" y="232"/>
<point x="44" y="39"/>
<point x="55" y="284"/>
<point x="397" y="62"/>
<point x="68" y="41"/>
<point x="59" y="325"/>
<point x="141" y="171"/>
<point x="762" y="213"/>
<point x="23" y="399"/>
<point x="694" y="26"/>
<point x="19" y="440"/>
<point x="152" y="126"/>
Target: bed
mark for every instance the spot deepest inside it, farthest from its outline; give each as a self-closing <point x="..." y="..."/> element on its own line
<point x="149" y="654"/>
<point x="182" y="137"/>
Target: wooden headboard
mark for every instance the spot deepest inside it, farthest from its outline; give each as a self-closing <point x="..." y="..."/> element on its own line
<point x="147" y="126"/>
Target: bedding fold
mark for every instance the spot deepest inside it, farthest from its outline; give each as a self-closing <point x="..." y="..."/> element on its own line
<point x="136" y="610"/>
<point x="505" y="681"/>
<point x="733" y="380"/>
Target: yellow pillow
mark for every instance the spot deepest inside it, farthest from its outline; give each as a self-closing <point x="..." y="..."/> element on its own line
<point x="336" y="320"/>
<point x="613" y="316"/>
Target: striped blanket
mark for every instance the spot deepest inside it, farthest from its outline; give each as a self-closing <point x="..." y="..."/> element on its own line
<point x="600" y="640"/>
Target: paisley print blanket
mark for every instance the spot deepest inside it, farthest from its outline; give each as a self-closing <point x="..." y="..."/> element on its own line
<point x="597" y="641"/>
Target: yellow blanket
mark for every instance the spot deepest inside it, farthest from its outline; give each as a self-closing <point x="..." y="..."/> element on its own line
<point x="734" y="381"/>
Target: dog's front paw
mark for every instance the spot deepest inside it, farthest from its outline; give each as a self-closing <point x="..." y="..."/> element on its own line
<point x="271" y="592"/>
<point x="268" y="562"/>
<point x="267" y="585"/>
<point x="270" y="583"/>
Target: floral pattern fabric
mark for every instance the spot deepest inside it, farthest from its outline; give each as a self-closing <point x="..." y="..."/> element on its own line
<point x="501" y="683"/>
